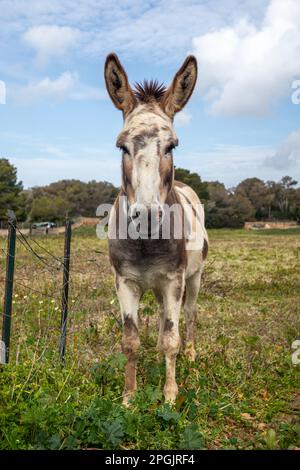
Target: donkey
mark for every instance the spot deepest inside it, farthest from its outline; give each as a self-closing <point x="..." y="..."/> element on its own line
<point x="171" y="267"/>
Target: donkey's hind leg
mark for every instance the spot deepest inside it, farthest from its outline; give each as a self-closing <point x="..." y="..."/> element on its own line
<point x="190" y="309"/>
<point x="129" y="294"/>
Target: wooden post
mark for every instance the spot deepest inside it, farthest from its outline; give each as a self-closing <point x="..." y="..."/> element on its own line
<point x="65" y="291"/>
<point x="9" y="285"/>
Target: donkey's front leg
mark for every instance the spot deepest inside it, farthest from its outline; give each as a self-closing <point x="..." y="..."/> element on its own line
<point x="170" y="341"/>
<point x="129" y="294"/>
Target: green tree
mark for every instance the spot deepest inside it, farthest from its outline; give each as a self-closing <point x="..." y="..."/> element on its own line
<point x="69" y="197"/>
<point x="295" y="205"/>
<point x="226" y="209"/>
<point x="287" y="184"/>
<point x="259" y="194"/>
<point x="11" y="191"/>
<point x="46" y="208"/>
<point x="285" y="203"/>
<point x="194" y="181"/>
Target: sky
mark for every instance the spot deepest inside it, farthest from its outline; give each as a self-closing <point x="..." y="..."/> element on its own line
<point x="57" y="121"/>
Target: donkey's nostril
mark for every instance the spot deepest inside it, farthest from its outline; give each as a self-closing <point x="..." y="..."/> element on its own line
<point x="134" y="211"/>
<point x="135" y="215"/>
<point x="161" y="212"/>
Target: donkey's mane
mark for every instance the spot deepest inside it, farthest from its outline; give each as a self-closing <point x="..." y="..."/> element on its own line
<point x="148" y="91"/>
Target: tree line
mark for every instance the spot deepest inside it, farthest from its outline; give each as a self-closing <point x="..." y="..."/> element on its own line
<point x="251" y="199"/>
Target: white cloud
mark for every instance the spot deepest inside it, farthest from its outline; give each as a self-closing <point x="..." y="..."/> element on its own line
<point x="245" y="69"/>
<point x="66" y="86"/>
<point x="51" y="41"/>
<point x="47" y="88"/>
<point x="287" y="155"/>
<point x="157" y="30"/>
<point x="183" y="119"/>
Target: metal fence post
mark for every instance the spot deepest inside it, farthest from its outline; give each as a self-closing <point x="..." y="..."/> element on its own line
<point x="65" y="291"/>
<point x="9" y="284"/>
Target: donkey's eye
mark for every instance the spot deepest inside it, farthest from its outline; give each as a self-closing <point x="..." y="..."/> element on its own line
<point x="169" y="149"/>
<point x="124" y="150"/>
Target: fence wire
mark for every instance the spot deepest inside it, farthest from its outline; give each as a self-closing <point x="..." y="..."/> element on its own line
<point x="93" y="317"/>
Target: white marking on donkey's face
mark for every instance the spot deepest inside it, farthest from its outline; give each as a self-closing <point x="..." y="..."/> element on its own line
<point x="147" y="139"/>
<point x="145" y="176"/>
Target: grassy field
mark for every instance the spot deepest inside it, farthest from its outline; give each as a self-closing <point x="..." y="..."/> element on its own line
<point x="241" y="393"/>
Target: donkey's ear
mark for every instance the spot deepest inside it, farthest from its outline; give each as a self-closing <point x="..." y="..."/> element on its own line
<point x="178" y="94"/>
<point x="117" y="84"/>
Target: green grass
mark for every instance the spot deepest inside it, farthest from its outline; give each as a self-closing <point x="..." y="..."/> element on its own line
<point x="241" y="393"/>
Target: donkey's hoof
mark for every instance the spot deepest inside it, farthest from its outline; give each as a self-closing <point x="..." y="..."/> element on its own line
<point x="126" y="402"/>
<point x="190" y="352"/>
<point x="170" y="394"/>
<point x="127" y="397"/>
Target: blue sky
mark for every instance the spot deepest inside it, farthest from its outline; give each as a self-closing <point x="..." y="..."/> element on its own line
<point x="59" y="123"/>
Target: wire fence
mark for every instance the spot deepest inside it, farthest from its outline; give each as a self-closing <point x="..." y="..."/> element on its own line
<point x="60" y="299"/>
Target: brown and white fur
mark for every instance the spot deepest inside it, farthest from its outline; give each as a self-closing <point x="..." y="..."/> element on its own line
<point x="171" y="268"/>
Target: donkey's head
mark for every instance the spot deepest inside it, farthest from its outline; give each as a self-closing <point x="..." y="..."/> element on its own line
<point x="148" y="138"/>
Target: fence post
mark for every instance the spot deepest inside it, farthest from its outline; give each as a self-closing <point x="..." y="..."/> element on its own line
<point x="9" y="284"/>
<point x="65" y="291"/>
